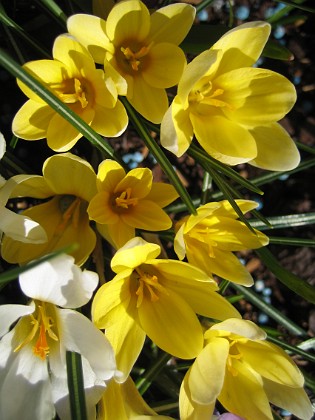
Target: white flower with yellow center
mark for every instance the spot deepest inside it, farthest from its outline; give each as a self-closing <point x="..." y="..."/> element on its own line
<point x="33" y="353"/>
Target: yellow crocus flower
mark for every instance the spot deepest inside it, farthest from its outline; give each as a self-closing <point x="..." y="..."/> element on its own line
<point x="231" y="107"/>
<point x="126" y="202"/>
<point x="244" y="372"/>
<point x="158" y="298"/>
<point x="69" y="183"/>
<point x="89" y="92"/>
<point x="143" y="48"/>
<point x="209" y="238"/>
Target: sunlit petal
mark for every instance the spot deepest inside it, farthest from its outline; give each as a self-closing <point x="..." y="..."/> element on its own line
<point x="171" y="23"/>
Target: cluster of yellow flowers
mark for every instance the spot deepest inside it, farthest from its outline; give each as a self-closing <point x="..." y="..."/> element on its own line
<point x="232" y="109"/>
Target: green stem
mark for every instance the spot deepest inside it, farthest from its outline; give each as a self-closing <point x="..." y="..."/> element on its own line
<point x="145" y="381"/>
<point x="76" y="386"/>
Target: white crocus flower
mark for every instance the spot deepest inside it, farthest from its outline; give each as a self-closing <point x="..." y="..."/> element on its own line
<point x="33" y="374"/>
<point x="16" y="226"/>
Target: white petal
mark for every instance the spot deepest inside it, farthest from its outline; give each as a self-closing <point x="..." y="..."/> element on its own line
<point x="21" y="228"/>
<point x="60" y="282"/>
<point x="2" y="145"/>
<point x="11" y="313"/>
<point x="26" y="376"/>
<point x="80" y="335"/>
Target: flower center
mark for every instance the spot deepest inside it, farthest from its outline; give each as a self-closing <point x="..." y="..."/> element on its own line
<point x="133" y="57"/>
<point x="70" y="209"/>
<point x="74" y="91"/>
<point x="148" y="285"/>
<point x="233" y="355"/>
<point x="42" y="323"/>
<point x="206" y="95"/>
<point x="204" y="235"/>
<point x="124" y="200"/>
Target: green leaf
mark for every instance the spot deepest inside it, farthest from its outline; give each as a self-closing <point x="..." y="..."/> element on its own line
<point x="159" y="156"/>
<point x="286" y="221"/>
<point x="14" y="68"/>
<point x="54" y="10"/>
<point x="293" y="282"/>
<point x="76" y="386"/>
<point x="277" y="240"/>
<point x="275" y="50"/>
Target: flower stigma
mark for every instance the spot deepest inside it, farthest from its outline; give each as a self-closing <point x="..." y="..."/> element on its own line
<point x="124" y="200"/>
<point x="72" y="92"/>
<point x="132" y="56"/>
<point x="42" y="325"/>
<point x="150" y="283"/>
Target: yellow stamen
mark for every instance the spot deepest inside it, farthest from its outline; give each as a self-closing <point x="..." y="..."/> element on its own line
<point x="42" y="325"/>
<point x="78" y="95"/>
<point x="134" y="57"/>
<point x="151" y="283"/>
<point x="125" y="200"/>
<point x="208" y="96"/>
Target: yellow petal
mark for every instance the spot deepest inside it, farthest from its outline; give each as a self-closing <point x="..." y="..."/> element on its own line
<point x="148" y="216"/>
<point x="109" y="174"/>
<point x="90" y="32"/>
<point x="69" y="174"/>
<point x="223" y="139"/>
<point x="127" y="339"/>
<point x="189" y="410"/>
<point x="71" y="53"/>
<point x="49" y="72"/>
<point x="119" y="81"/>
<point x="162" y="194"/>
<point x="233" y="235"/>
<point x="295" y="400"/>
<point x="194" y="71"/>
<point x="172" y="325"/>
<point x="136" y="252"/>
<point x="117" y="234"/>
<point x="237" y="389"/>
<point x="32" y="120"/>
<point x="30" y="186"/>
<point x="110" y="122"/>
<point x="179" y="243"/>
<point x="61" y="135"/>
<point x="227" y="210"/>
<point x="176" y="129"/>
<point x="195" y="287"/>
<point x="172" y="23"/>
<point x="276" y="151"/>
<point x="139" y="180"/>
<point x="208" y="371"/>
<point x="111" y="300"/>
<point x="149" y="101"/>
<point x="203" y="212"/>
<point x="271" y="362"/>
<point x="222" y="263"/>
<point x="101" y="211"/>
<point x="256" y="96"/>
<point x="166" y="63"/>
<point x="242" y="45"/>
<point x="126" y="21"/>
<point x="239" y="327"/>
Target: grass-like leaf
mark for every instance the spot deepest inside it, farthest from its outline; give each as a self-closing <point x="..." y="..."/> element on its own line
<point x="293" y="282"/>
<point x="76" y="386"/>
